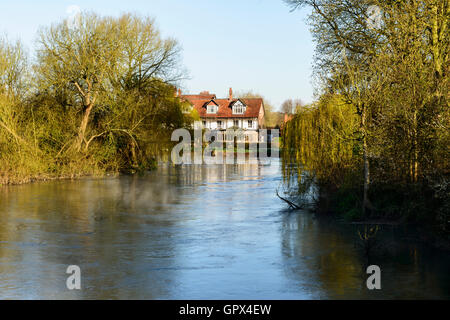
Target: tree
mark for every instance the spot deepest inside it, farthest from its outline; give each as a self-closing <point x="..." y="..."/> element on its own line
<point x="391" y="72"/>
<point x="78" y="61"/>
<point x="101" y="62"/>
<point x="288" y="106"/>
<point x="298" y="105"/>
<point x="141" y="103"/>
<point x="291" y="106"/>
<point x="268" y="108"/>
<point x="13" y="71"/>
<point x="100" y="97"/>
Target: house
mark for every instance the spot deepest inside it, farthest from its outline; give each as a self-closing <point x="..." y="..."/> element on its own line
<point x="229" y="113"/>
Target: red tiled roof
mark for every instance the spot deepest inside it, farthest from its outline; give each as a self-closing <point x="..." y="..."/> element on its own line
<point x="225" y="107"/>
<point x="191" y="97"/>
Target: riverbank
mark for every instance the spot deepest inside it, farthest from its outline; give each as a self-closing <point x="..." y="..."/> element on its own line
<point x="34" y="169"/>
<point x="10" y="181"/>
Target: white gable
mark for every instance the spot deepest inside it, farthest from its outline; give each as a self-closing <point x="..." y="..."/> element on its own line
<point x="238" y="107"/>
<point x="212" y="108"/>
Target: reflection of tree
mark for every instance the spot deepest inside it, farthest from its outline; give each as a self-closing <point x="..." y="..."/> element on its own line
<point x="327" y="256"/>
<point x="307" y="244"/>
<point x="96" y="224"/>
<point x="147" y="236"/>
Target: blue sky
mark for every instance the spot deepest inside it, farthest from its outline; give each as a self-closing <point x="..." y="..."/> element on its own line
<point x="256" y="45"/>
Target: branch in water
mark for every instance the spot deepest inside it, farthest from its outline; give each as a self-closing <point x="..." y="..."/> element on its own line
<point x="292" y="205"/>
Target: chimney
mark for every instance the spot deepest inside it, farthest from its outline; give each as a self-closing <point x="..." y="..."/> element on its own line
<point x="230" y="97"/>
<point x="179" y="92"/>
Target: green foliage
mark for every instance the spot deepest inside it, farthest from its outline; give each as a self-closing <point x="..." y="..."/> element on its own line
<point x="320" y="138"/>
<point x="393" y="138"/>
<point x="101" y="99"/>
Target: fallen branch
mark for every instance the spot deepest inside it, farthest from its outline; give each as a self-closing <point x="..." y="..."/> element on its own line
<point x="292" y="205"/>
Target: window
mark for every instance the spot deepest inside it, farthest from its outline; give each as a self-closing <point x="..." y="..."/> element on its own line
<point x="236" y="123"/>
<point x="250" y="123"/>
<point x="211" y="109"/>
<point x="219" y="124"/>
<point x="238" y="108"/>
<point x="204" y="124"/>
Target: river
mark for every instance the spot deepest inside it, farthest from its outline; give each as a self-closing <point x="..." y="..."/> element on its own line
<point x="195" y="232"/>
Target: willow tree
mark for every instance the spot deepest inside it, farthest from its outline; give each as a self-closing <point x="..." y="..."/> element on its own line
<point x="321" y="139"/>
<point x="345" y="50"/>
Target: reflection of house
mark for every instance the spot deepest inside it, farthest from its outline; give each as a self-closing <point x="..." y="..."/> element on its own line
<point x="221" y="114"/>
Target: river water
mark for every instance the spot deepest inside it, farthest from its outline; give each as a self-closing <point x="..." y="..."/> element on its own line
<point x="195" y="232"/>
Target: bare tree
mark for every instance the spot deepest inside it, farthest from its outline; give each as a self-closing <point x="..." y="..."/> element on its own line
<point x="288" y="106"/>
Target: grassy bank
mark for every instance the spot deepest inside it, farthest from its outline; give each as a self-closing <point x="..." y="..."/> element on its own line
<point x="35" y="170"/>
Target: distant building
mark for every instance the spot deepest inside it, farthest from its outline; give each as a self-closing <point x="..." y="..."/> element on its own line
<point x="230" y="113"/>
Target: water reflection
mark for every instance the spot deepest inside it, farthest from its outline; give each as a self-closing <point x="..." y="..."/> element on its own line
<point x="192" y="232"/>
<point x="331" y="257"/>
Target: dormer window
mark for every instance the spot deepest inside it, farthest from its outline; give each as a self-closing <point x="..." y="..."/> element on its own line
<point x="238" y="108"/>
<point x="212" y="108"/>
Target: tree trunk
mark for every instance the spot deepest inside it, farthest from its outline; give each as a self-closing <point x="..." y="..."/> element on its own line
<point x="366" y="201"/>
<point x="435" y="42"/>
<point x="134" y="160"/>
<point x="83" y="126"/>
<point x="415" y="167"/>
